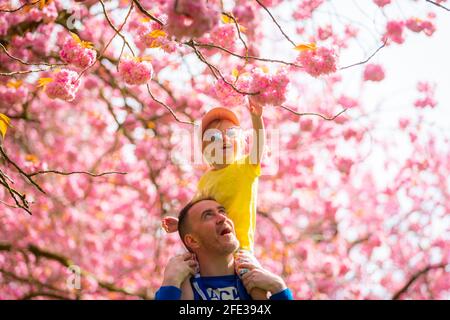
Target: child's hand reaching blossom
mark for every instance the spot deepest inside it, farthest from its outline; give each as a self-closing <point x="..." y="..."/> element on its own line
<point x="259" y="135"/>
<point x="170" y="224"/>
<point x="255" y="108"/>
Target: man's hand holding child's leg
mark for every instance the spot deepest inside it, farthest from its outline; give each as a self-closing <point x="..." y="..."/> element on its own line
<point x="245" y="261"/>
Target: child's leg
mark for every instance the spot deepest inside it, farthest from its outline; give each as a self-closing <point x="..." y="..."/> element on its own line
<point x="241" y="254"/>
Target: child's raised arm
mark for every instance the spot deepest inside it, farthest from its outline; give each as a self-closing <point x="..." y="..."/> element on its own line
<point x="259" y="134"/>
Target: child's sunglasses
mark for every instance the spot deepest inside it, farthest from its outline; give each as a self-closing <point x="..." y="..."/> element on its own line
<point x="215" y="135"/>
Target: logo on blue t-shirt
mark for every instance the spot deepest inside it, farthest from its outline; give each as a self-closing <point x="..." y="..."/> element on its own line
<point x="228" y="287"/>
<point x="227" y="293"/>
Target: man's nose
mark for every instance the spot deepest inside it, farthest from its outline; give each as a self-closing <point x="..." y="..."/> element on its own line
<point x="221" y="218"/>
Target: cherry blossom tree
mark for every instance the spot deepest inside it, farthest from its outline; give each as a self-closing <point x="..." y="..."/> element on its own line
<point x="99" y="101"/>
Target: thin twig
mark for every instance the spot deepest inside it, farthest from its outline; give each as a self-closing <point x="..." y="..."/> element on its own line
<point x="438" y="4"/>
<point x="214" y="69"/>
<point x="114" y="28"/>
<point x="118" y="32"/>
<point x="208" y="45"/>
<point x="13" y="193"/>
<point x="9" y="205"/>
<point x="370" y="57"/>
<point x="36" y="294"/>
<point x="313" y="114"/>
<point x="76" y="172"/>
<point x="19" y="8"/>
<point x="414" y="277"/>
<point x="20" y="170"/>
<point x="275" y="21"/>
<point x="167" y="107"/>
<point x="14" y="73"/>
<point x="66" y="262"/>
<point x="145" y="12"/>
<point x="238" y="31"/>
<point x="28" y="63"/>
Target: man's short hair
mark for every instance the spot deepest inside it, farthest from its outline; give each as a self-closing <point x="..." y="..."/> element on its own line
<point x="183" y="225"/>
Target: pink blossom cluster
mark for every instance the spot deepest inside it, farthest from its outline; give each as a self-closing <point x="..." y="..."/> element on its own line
<point x="347" y="102"/>
<point x="323" y="33"/>
<point x="134" y="71"/>
<point x="191" y="18"/>
<point x="344" y="165"/>
<point x="47" y="13"/>
<point x="64" y="85"/>
<point x="151" y="35"/>
<point x="244" y="12"/>
<point x="224" y="35"/>
<point x="38" y="40"/>
<point x="270" y="3"/>
<point x="32" y="13"/>
<point x="306" y="9"/>
<point x="351" y="31"/>
<point x="352" y="133"/>
<point x="373" y="72"/>
<point x="318" y="61"/>
<point x="272" y="87"/>
<point x="381" y="3"/>
<point x="394" y="31"/>
<point x="428" y="90"/>
<point x="403" y="123"/>
<point x="227" y="95"/>
<point x="247" y="15"/>
<point x="418" y="25"/>
<point x="10" y="95"/>
<point x="3" y="25"/>
<point x="76" y="54"/>
<point x="306" y="124"/>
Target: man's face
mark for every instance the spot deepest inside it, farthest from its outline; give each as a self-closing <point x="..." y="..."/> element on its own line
<point x="212" y="228"/>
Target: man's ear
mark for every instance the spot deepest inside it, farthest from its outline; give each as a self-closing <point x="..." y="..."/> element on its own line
<point x="191" y="242"/>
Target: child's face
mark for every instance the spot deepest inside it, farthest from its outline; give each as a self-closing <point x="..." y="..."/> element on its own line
<point x="220" y="142"/>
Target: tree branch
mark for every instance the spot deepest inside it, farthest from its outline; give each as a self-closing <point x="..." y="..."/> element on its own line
<point x="214" y="69"/>
<point x="275" y="21"/>
<point x="19" y="8"/>
<point x="5" y="156"/>
<point x="438" y="4"/>
<point x="208" y="45"/>
<point x="145" y="12"/>
<point x="52" y="65"/>
<point x="370" y="57"/>
<point x="313" y="114"/>
<point x="112" y="38"/>
<point x="414" y="277"/>
<point x="76" y="172"/>
<point x="167" y="107"/>
<point x="66" y="262"/>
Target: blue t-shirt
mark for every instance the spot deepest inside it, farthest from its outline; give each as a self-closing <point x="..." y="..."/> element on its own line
<point x="216" y="288"/>
<point x="219" y="288"/>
